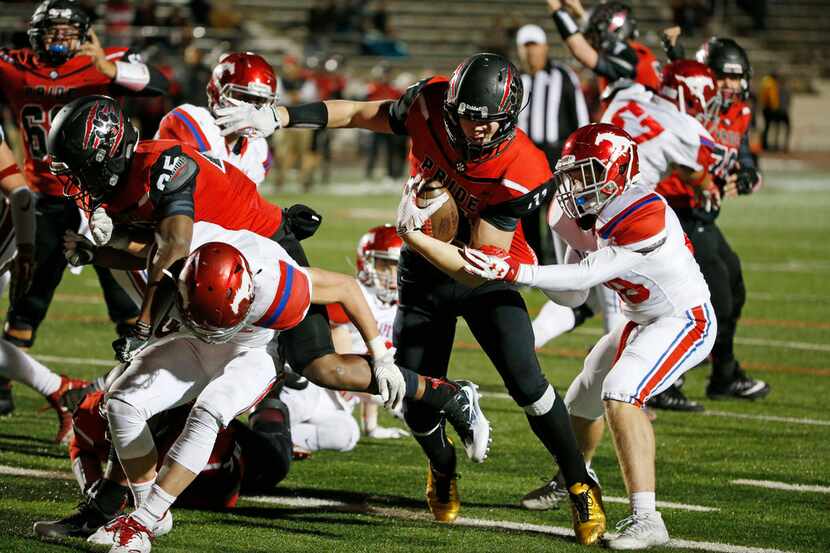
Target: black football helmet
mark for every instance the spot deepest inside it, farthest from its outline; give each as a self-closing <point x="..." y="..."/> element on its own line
<point x="608" y="23"/>
<point x="92" y="142"/>
<point x="49" y="14"/>
<point x="725" y="57"/>
<point x="484" y="87"/>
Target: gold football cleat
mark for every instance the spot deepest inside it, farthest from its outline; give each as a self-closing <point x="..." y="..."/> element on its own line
<point x="442" y="495"/>
<point x="588" y="513"/>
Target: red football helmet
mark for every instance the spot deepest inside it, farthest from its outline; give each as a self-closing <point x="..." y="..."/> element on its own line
<point x="692" y="87"/>
<point x="242" y="77"/>
<point x="216" y="290"/>
<point x="598" y="162"/>
<point x="380" y="243"/>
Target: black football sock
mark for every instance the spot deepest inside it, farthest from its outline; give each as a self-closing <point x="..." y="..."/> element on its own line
<point x="554" y="430"/>
<point x="109" y="496"/>
<point x="411" y="380"/>
<point x="439" y="450"/>
<point x="438" y="391"/>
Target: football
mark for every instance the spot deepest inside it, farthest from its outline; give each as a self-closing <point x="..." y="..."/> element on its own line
<point x="443" y="225"/>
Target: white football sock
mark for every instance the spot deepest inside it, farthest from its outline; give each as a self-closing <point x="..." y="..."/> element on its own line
<point x="18" y="365"/>
<point x="154" y="506"/>
<point x="141" y="490"/>
<point x="643" y="502"/>
<point x="553" y="320"/>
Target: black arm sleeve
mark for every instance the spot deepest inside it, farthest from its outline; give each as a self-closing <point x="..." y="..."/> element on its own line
<point x="173" y="184"/>
<point x="745" y="157"/>
<point x="675" y="52"/>
<point x="506" y="215"/>
<point x="618" y="63"/>
<point x="399" y="109"/>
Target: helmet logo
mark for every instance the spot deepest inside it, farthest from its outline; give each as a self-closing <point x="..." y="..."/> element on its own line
<point x="58" y="13"/>
<point x="104" y="128"/>
<point x="243" y="292"/>
<point x="697" y="84"/>
<point x="619" y="145"/>
<point x="733" y="68"/>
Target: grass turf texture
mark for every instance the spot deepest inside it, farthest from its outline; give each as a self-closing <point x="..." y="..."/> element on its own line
<point x="779" y="235"/>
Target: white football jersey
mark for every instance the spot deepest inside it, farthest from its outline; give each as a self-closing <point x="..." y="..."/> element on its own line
<point x="196" y="126"/>
<point x="384" y="314"/>
<point x="668" y="280"/>
<point x="663" y="134"/>
<point x="282" y="289"/>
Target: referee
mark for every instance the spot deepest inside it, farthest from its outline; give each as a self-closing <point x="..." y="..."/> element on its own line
<point x="552" y="108"/>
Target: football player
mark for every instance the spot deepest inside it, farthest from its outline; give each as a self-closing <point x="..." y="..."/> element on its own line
<point x="17" y="229"/>
<point x="240" y="80"/>
<point x="248" y="458"/>
<point x="643" y="254"/>
<point x="464" y="135"/>
<point x="734" y="171"/>
<point x="65" y="61"/>
<point x="607" y="45"/>
<point x="234" y="290"/>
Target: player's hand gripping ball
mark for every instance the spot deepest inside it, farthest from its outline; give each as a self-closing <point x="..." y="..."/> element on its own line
<point x="443" y="224"/>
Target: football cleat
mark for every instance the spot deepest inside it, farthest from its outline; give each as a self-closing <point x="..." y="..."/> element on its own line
<point x="130" y="536"/>
<point x="106" y="535"/>
<point x="82" y="523"/>
<point x="588" y="513"/>
<point x="55" y="400"/>
<point x="6" y="399"/>
<point x="464" y="414"/>
<point x="742" y="386"/>
<point x="640" y="531"/>
<point x="673" y="399"/>
<point x="547" y="496"/>
<point x="442" y="495"/>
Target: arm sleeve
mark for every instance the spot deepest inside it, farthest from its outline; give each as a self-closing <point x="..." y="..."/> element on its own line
<point x="745" y="157"/>
<point x="506" y="215"/>
<point x="173" y="184"/>
<point x="399" y="109"/>
<point x="619" y="63"/>
<point x="134" y="77"/>
<point x="598" y="267"/>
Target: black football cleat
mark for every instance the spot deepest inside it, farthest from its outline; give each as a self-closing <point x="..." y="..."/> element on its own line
<point x="741" y="386"/>
<point x="464" y="414"/>
<point x="82" y="523"/>
<point x="673" y="399"/>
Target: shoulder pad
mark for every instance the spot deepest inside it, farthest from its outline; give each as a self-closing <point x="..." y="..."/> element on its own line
<point x="172" y="170"/>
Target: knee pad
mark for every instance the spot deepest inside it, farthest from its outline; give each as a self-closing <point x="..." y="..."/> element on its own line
<point x="421" y="419"/>
<point x="543" y="404"/>
<point x="193" y="446"/>
<point x="128" y="428"/>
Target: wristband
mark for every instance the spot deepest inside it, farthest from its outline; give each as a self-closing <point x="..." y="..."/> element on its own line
<point x="132" y="76"/>
<point x="377" y="347"/>
<point x="565" y="24"/>
<point x="308" y="116"/>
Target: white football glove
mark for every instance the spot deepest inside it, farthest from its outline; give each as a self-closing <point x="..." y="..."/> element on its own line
<point x="387" y="433"/>
<point x="490" y="267"/>
<point x="391" y="385"/>
<point x="262" y="120"/>
<point x="101" y="226"/>
<point x="410" y="216"/>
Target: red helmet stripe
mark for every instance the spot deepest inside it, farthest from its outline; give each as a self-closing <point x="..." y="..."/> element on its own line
<point x="90" y="124"/>
<point x="506" y="88"/>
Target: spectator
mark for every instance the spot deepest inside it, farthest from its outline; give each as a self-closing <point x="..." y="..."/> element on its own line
<point x="381" y="88"/>
<point x="774" y="100"/>
<point x="331" y="85"/>
<point x="294" y="148"/>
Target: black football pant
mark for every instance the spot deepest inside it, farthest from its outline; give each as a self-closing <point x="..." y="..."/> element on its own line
<point x="429" y="305"/>
<point x="721" y="269"/>
<point x="54" y="216"/>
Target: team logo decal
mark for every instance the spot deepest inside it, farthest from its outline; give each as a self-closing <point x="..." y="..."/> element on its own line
<point x="619" y="145"/>
<point x="697" y="84"/>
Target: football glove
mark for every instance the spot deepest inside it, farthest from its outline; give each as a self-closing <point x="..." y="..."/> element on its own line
<point x="411" y="217"/>
<point x="748" y="181"/>
<point x="78" y="250"/>
<point x="261" y="121"/>
<point x="489" y="265"/>
<point x="132" y="342"/>
<point x="101" y="226"/>
<point x="22" y="271"/>
<point x="391" y="384"/>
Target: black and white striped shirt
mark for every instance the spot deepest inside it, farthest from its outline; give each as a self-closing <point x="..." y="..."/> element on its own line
<point x="554" y="107"/>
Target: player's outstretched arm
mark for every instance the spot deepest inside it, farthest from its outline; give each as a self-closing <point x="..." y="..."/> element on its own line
<point x="133" y="75"/>
<point x="569" y="30"/>
<point x="330" y="287"/>
<point x="373" y="116"/>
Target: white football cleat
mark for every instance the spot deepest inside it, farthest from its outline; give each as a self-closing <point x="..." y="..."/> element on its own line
<point x="464" y="414"/>
<point x="640" y="531"/>
<point x="105" y="535"/>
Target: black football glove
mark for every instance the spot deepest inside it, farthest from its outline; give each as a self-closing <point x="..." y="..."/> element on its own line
<point x="303" y="220"/>
<point x="22" y="270"/>
<point x="747" y="180"/>
<point x="77" y="249"/>
<point x="132" y="342"/>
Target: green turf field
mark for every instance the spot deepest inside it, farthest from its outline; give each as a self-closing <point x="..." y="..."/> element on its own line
<point x="375" y="493"/>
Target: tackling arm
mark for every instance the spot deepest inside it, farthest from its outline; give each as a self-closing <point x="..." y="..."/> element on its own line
<point x="173" y="241"/>
<point x="373" y="116"/>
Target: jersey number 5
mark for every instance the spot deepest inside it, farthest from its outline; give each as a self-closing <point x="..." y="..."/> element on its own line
<point x="636" y="122"/>
<point x="630" y="291"/>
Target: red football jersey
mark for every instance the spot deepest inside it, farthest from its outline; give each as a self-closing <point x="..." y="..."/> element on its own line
<point x="221" y="193"/>
<point x="36" y="92"/>
<point x="499" y="189"/>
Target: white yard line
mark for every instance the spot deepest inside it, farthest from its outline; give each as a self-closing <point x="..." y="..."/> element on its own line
<point x="712" y="413"/>
<point x="317" y="503"/>
<point x="76" y="360"/>
<point x="770" y="485"/>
